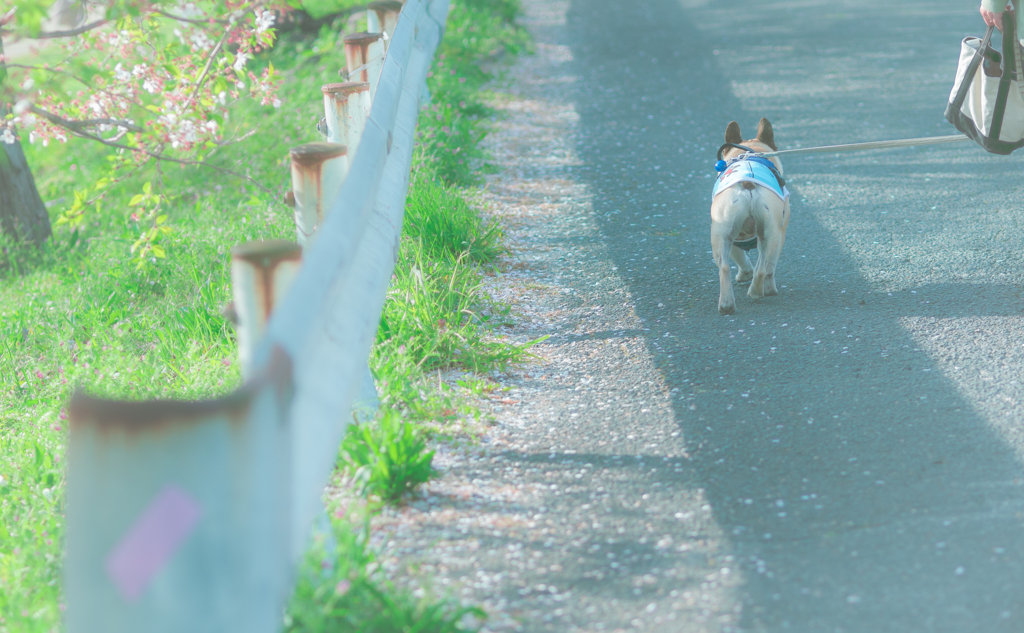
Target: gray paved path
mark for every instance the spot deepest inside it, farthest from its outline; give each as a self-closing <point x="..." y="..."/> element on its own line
<point x="859" y="436"/>
<point x="843" y="457"/>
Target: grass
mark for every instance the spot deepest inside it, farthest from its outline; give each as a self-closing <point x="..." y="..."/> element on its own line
<point x="436" y="315"/>
<point x="341" y="587"/>
<point x="388" y="457"/>
<point x="438" y="215"/>
<point x="79" y="312"/>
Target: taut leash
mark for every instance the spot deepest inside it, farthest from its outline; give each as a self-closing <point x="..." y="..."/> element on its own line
<point x="854" y="147"/>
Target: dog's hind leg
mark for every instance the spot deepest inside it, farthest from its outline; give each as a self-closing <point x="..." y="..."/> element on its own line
<point x="770" y="238"/>
<point x="746" y="270"/>
<point x="721" y="242"/>
<point x="771" y="258"/>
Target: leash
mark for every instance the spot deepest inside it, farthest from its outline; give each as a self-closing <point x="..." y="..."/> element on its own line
<point x="762" y="157"/>
<point x="855" y="147"/>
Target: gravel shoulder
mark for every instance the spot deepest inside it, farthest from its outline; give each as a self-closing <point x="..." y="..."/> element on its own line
<point x="567" y="515"/>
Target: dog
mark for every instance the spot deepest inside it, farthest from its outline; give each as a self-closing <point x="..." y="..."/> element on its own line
<point x="749" y="207"/>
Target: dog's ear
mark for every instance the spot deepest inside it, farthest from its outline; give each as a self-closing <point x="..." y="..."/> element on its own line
<point x="732" y="133"/>
<point x="765" y="134"/>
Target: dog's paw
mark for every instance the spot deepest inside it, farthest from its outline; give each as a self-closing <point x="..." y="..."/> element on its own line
<point x="726" y="308"/>
<point x="744" y="276"/>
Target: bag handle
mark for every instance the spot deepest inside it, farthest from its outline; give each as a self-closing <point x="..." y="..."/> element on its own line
<point x="972" y="69"/>
<point x="1019" y="75"/>
<point x="1011" y="66"/>
<point x="1011" y="47"/>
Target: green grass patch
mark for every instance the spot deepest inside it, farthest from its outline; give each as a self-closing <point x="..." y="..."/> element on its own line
<point x="437" y="315"/>
<point x="446" y="225"/>
<point x="479" y="33"/>
<point x="342" y="587"/>
<point x="387" y="457"/>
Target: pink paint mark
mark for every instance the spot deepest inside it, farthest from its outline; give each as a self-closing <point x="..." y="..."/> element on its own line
<point x="152" y="541"/>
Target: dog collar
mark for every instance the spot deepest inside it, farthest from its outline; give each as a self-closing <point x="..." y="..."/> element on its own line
<point x="726" y="146"/>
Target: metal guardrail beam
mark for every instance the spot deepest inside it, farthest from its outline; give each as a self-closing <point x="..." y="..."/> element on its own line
<point x="191" y="516"/>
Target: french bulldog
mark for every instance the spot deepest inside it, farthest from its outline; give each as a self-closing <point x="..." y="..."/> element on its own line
<point x="749" y="207"/>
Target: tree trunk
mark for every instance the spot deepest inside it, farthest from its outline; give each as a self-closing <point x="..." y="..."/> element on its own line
<point x="22" y="212"/>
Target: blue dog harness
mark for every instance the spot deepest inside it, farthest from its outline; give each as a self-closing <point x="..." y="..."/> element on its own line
<point x="755" y="169"/>
<point x="748" y="168"/>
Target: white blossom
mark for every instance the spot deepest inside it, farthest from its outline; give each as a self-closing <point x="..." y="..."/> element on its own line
<point x="240" y="62"/>
<point x="149" y="86"/>
<point x="264" y="20"/>
<point x="140" y="70"/>
<point x="121" y="74"/>
<point x="7" y="136"/>
<point x="201" y="40"/>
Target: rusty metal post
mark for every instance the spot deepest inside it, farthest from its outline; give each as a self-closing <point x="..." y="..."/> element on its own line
<point x="347" y="107"/>
<point x="382" y="17"/>
<point x="260" y="275"/>
<point x="179" y="514"/>
<point x="315" y="179"/>
<point x="364" y="57"/>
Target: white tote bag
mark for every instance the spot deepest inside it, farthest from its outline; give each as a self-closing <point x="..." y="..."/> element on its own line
<point x="987" y="100"/>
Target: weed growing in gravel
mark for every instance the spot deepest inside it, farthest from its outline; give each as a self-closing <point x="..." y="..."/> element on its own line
<point x="419" y="396"/>
<point x="387" y="457"/>
<point x="341" y="587"/>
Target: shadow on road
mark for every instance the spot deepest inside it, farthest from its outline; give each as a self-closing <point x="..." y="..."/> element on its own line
<point x="861" y="490"/>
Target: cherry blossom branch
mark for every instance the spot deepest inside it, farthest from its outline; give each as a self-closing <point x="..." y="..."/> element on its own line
<point x="52" y="35"/>
<point x="180" y="18"/>
<point x="57" y="71"/>
<point x="78" y="131"/>
<point x="80" y="125"/>
<point x="206" y="69"/>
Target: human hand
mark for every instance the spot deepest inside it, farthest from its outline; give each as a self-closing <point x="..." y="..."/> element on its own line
<point x="993" y="18"/>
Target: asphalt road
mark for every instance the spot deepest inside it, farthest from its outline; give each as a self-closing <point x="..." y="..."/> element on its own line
<point x="859" y="437"/>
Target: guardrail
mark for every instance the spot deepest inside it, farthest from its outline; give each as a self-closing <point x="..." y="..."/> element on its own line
<point x="192" y="516"/>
